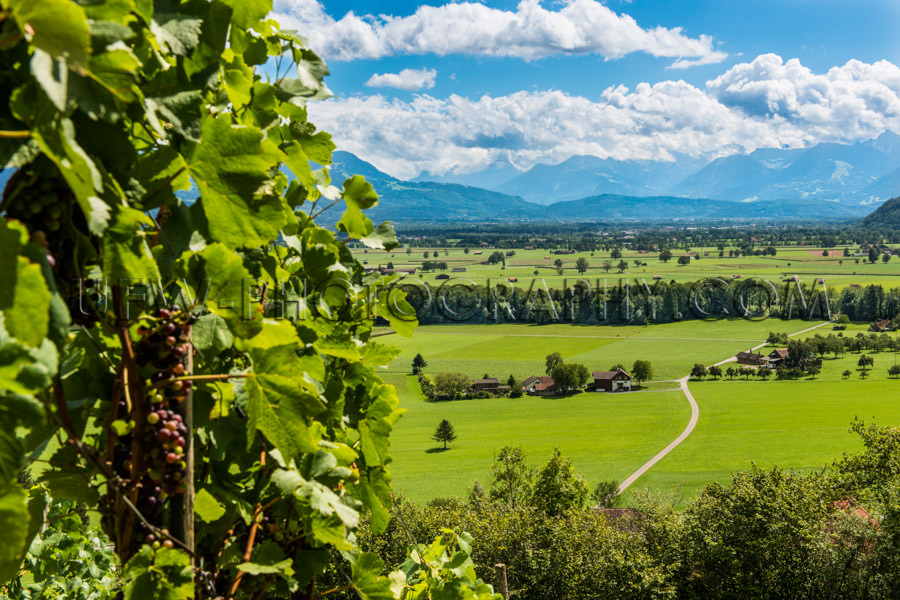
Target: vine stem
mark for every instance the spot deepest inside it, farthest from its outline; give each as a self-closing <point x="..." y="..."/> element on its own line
<point x="218" y="377"/>
<point x="133" y="388"/>
<point x="6" y="134"/>
<point x="251" y="539"/>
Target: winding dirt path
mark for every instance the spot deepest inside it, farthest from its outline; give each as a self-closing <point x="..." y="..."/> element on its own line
<point x="695" y="416"/>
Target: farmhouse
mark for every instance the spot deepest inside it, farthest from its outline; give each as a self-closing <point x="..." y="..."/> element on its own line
<point x="486" y="385"/>
<point x="612" y="381"/>
<point x="752" y="358"/>
<point x="777" y="357"/>
<point x="880" y="326"/>
<point x="539" y="385"/>
<point x="458" y="270"/>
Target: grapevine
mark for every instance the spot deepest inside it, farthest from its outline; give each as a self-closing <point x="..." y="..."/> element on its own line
<point x="227" y="447"/>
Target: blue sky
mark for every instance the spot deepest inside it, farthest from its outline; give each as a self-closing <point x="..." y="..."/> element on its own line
<point x="454" y="86"/>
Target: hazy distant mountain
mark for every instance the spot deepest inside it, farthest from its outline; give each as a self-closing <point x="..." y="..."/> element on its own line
<point x="429" y="201"/>
<point x="490" y="178"/>
<point x="412" y="201"/>
<point x="736" y="177"/>
<point x="886" y="216"/>
<point x="827" y="171"/>
<point x="582" y="176"/>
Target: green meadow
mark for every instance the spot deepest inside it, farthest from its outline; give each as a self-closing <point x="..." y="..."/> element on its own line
<point x="794" y="424"/>
<point x="519" y="349"/>
<point x="607" y="435"/>
<point x="798" y="425"/>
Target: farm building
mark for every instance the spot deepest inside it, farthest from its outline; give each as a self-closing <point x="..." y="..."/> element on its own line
<point x="881" y="325"/>
<point x="777" y="357"/>
<point x="753" y="359"/>
<point x="486" y="385"/>
<point x="443" y="276"/>
<point x="458" y="270"/>
<point x="539" y="385"/>
<point x="612" y="381"/>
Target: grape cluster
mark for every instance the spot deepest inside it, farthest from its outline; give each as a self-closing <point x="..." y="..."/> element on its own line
<point x="38" y="205"/>
<point x="160" y="350"/>
<point x="39" y="197"/>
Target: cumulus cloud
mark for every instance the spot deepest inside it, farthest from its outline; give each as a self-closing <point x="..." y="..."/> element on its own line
<point x="530" y="32"/>
<point x="853" y="100"/>
<point x="765" y="103"/>
<point x="407" y="79"/>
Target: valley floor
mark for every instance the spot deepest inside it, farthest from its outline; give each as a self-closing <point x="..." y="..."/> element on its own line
<point x="793" y="424"/>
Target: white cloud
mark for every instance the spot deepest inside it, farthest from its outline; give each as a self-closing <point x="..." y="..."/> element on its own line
<point x="852" y="101"/>
<point x="407" y="79"/>
<point x="764" y="103"/>
<point x="530" y="32"/>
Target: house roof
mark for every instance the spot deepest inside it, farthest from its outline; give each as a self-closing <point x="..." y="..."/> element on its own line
<point x="541" y="382"/>
<point x="601" y="375"/>
<point x="489" y="380"/>
<point x="781" y="352"/>
<point x="750" y="355"/>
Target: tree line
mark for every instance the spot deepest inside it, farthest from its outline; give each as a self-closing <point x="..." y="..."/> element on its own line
<point x="832" y="533"/>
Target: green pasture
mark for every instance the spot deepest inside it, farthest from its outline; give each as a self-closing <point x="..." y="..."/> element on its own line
<point x="806" y="262"/>
<point x="518" y="349"/>
<point x="607" y="436"/>
<point x="798" y="425"/>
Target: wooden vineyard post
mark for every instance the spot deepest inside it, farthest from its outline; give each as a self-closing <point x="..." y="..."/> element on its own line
<point x="500" y="581"/>
<point x="188" y="496"/>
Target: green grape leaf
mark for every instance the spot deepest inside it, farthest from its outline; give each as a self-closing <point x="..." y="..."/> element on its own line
<point x="161" y="173"/>
<point x="162" y="574"/>
<point x="28" y="317"/>
<point x="217" y="276"/>
<point x="180" y="113"/>
<point x="318" y="147"/>
<point x="207" y="507"/>
<point x="124" y="251"/>
<point x="280" y="404"/>
<point x="12" y="237"/>
<point x="52" y="74"/>
<point x="14" y="519"/>
<point x="268" y="559"/>
<point x="355" y="223"/>
<point x="115" y="71"/>
<point x="56" y="137"/>
<point x="72" y="483"/>
<point x="374" y="354"/>
<point x="359" y="193"/>
<point x="248" y="13"/>
<point x="238" y="79"/>
<point x="210" y="335"/>
<point x="118" y="11"/>
<point x="229" y="167"/>
<point x="368" y="580"/>
<point x="374" y="490"/>
<point x="179" y="33"/>
<point x="382" y="237"/>
<point x="273" y="333"/>
<point x="58" y="27"/>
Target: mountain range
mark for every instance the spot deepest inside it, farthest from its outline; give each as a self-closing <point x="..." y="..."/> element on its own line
<point x="826" y="181"/>
<point x="639" y="199"/>
<point x="851" y="174"/>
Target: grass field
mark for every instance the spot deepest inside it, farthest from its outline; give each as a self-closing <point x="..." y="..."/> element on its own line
<point x="607" y="435"/>
<point x="517" y="349"/>
<point x="793" y="424"/>
<point x="805" y="261"/>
